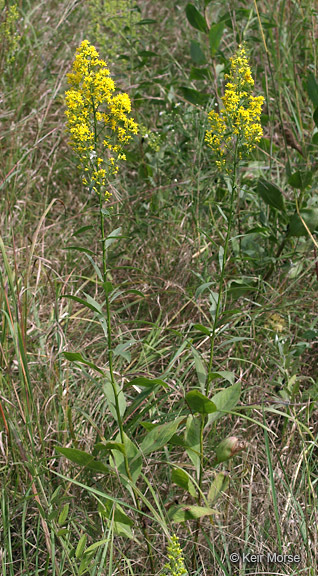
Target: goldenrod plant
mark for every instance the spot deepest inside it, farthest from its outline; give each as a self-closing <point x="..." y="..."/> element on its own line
<point x="158" y="371"/>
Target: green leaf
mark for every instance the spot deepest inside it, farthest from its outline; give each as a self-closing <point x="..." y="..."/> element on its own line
<point x="199" y="403"/>
<point x="238" y="288"/>
<point x="80" y="249"/>
<point x="312" y="89"/>
<point x="77" y="357"/>
<point x="225" y="401"/>
<point x="183" y="513"/>
<point x="219" y="484"/>
<point x="111" y="398"/>
<point x="123" y="349"/>
<point x="310" y="217"/>
<point x="200" y="368"/>
<point x="113" y="236"/>
<point x="134" y="458"/>
<point x="203" y="329"/>
<point x="300" y="179"/>
<point x="196" y="53"/>
<point x="95" y="307"/>
<point x="192" y="438"/>
<point x="225" y="374"/>
<point x="183" y="479"/>
<point x="148" y="382"/>
<point x="81" y="546"/>
<point x="82" y="229"/>
<point x="193" y="96"/>
<point x="315" y="116"/>
<point x="271" y="194"/>
<point x="159" y="436"/>
<point x="63" y="515"/>
<point x="199" y="73"/>
<point x="82" y="458"/>
<point x="195" y="18"/>
<point x="146" y="21"/>
<point x="215" y="36"/>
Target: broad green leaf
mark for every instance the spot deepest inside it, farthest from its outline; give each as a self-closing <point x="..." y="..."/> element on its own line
<point x="310" y="217"/>
<point x="312" y="89"/>
<point x="300" y="179"/>
<point x="134" y="458"/>
<point x="199" y="403"/>
<point x="108" y="388"/>
<point x="81" y="546"/>
<point x="199" y="73"/>
<point x="193" y="96"/>
<point x="196" y="53"/>
<point x="225" y="401"/>
<point x="159" y="436"/>
<point x="225" y="374"/>
<point x="192" y="438"/>
<point x="219" y="484"/>
<point x="183" y="513"/>
<point x="77" y="357"/>
<point x="63" y="515"/>
<point x="195" y="18"/>
<point x="271" y="194"/>
<point x="215" y="36"/>
<point x="315" y="117"/>
<point x="83" y="459"/>
<point x="183" y="479"/>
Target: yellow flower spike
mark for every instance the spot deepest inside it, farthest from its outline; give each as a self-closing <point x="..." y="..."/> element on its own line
<point x="97" y="119"/>
<point x="237" y="126"/>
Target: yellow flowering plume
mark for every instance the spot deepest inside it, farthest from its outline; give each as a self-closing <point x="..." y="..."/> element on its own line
<point x="97" y="119"/>
<point x="175" y="566"/>
<point x="237" y="126"/>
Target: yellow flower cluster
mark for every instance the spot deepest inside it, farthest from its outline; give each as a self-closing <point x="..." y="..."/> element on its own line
<point x="97" y="120"/>
<point x="175" y="566"/>
<point x="238" y="124"/>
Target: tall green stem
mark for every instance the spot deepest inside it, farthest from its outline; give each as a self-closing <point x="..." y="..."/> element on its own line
<point x="224" y="259"/>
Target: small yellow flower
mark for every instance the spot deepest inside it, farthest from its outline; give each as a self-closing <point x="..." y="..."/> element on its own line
<point x="238" y="123"/>
<point x="97" y="119"/>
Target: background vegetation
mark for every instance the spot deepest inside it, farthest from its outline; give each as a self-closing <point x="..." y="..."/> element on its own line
<point x="76" y="512"/>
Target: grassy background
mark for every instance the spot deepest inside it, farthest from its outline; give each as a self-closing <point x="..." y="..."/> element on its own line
<point x="172" y="205"/>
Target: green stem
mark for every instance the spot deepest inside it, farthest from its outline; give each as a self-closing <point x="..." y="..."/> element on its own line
<point x="224" y="259"/>
<point x="111" y="369"/>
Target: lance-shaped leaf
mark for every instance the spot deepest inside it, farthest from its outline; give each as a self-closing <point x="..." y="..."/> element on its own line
<point x="199" y="403"/>
<point x="160" y="436"/>
<point x="271" y="194"/>
<point x="183" y="513"/>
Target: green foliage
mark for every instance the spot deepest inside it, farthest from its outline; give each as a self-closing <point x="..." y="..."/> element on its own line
<point x="158" y="356"/>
